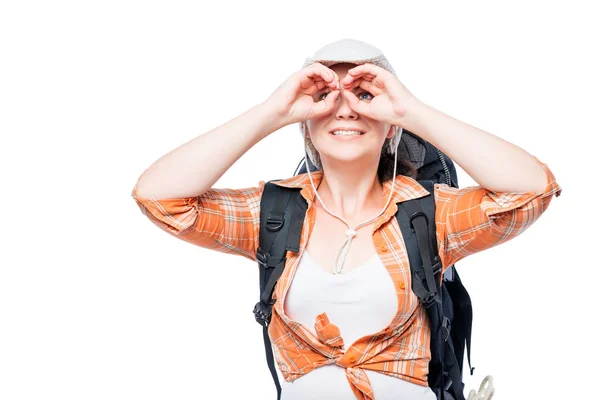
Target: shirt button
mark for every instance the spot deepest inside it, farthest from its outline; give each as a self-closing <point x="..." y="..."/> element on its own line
<point x="352" y="359"/>
<point x="401" y="285"/>
<point x="384" y="249"/>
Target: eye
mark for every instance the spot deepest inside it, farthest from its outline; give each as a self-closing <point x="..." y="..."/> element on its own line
<point x="365" y="92"/>
<point x="322" y="96"/>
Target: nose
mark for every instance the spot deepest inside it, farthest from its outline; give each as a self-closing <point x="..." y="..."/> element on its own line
<point x="343" y="107"/>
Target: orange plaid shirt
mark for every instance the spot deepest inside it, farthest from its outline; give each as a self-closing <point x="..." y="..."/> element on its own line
<point x="468" y="220"/>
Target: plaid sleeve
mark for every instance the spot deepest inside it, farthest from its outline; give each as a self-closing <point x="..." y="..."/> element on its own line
<point x="473" y="219"/>
<point x="225" y="220"/>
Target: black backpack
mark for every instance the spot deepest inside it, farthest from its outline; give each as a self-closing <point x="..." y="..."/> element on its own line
<point x="448" y="306"/>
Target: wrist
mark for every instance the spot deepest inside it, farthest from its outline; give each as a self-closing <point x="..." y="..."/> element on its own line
<point x="409" y="117"/>
<point x="275" y="114"/>
<point x="272" y="120"/>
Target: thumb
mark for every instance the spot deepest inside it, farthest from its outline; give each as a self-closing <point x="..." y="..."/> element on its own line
<point x="327" y="105"/>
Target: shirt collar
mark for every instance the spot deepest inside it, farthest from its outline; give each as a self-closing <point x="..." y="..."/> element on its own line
<point x="405" y="188"/>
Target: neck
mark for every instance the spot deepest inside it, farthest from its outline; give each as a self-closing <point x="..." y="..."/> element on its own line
<point x="351" y="191"/>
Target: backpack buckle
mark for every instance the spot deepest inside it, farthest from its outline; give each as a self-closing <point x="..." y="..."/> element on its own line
<point x="262" y="313"/>
<point x="445" y="328"/>
<point x="261" y="258"/>
<point x="431" y="298"/>
<point x="275" y="221"/>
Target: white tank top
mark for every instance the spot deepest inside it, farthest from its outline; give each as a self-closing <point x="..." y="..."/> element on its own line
<point x="360" y="302"/>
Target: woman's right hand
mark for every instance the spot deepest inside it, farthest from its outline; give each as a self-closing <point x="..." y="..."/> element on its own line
<point x="295" y="100"/>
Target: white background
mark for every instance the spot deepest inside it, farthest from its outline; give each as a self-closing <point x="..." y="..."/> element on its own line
<point x="98" y="303"/>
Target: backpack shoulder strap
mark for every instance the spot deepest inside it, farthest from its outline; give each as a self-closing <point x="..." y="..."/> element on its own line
<point x="282" y="212"/>
<point x="416" y="219"/>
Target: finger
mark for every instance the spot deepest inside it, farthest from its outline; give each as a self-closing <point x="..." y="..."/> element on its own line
<point x="368" y="72"/>
<point x="360" y="75"/>
<point x="366" y="76"/>
<point x="326" y="71"/>
<point x="318" y="69"/>
<point x="374" y="87"/>
<point x="337" y="79"/>
<point x="369" y="79"/>
<point x="322" y="107"/>
<point x="371" y="87"/>
<point x="308" y="79"/>
<point x="363" y="84"/>
<point x="310" y="83"/>
<point x="359" y="106"/>
<point x="367" y="68"/>
<point x="352" y="84"/>
<point x="320" y="85"/>
<point x="316" y="87"/>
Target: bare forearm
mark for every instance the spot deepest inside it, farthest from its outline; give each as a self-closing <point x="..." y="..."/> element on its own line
<point x="492" y="162"/>
<point x="194" y="167"/>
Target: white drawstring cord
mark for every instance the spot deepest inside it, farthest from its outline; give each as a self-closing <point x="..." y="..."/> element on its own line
<point x="486" y="390"/>
<point x="350" y="233"/>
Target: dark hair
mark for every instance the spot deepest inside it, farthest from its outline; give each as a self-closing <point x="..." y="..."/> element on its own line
<point x="385" y="171"/>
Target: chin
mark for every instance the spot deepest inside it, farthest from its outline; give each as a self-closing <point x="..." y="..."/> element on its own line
<point x="349" y="156"/>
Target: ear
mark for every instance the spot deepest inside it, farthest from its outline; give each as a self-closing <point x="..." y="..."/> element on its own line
<point x="391" y="132"/>
<point x="304" y="128"/>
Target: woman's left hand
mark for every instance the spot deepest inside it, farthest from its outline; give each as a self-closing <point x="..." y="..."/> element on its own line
<point x="392" y="100"/>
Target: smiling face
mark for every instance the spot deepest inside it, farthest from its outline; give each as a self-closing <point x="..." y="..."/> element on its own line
<point x="364" y="148"/>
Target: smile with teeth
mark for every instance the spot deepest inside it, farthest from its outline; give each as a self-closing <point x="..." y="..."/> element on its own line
<point x="347" y="133"/>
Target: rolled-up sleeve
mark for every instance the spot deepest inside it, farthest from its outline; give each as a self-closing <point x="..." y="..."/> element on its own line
<point x="473" y="219"/>
<point x="225" y="220"/>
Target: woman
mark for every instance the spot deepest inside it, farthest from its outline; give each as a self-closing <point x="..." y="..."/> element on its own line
<point x="346" y="323"/>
